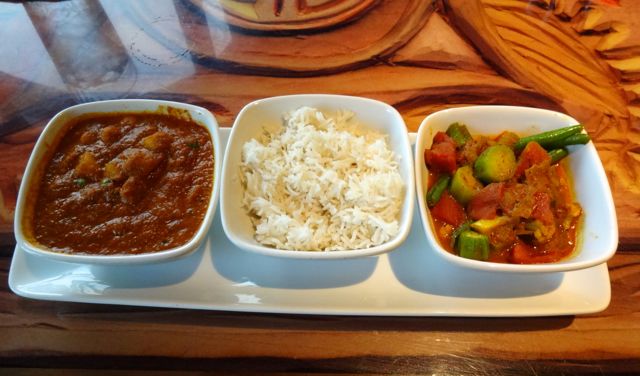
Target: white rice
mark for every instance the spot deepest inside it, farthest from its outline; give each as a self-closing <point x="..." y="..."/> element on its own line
<point x="322" y="184"/>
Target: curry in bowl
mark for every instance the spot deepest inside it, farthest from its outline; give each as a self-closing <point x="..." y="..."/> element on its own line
<point x="503" y="199"/>
<point x="121" y="183"/>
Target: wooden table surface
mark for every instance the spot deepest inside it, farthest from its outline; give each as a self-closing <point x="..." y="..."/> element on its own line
<point x="580" y="57"/>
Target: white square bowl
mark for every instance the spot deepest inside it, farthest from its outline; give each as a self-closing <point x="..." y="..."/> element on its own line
<point x="47" y="140"/>
<point x="268" y="114"/>
<point x="598" y="234"/>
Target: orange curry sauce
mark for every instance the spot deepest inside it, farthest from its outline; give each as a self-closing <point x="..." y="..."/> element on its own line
<point x="515" y="245"/>
<point x="123" y="184"/>
<point x="560" y="247"/>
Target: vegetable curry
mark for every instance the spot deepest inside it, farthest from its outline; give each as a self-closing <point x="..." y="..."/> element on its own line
<point x="503" y="199"/>
<point x="123" y="183"/>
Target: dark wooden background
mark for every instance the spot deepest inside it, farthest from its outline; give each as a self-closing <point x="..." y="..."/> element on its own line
<point x="576" y="56"/>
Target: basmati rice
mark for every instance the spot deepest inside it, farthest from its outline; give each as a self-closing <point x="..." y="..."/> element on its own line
<point x="322" y="183"/>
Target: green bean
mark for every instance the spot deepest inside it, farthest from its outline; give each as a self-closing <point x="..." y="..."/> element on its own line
<point x="466" y="226"/>
<point x="548" y="138"/>
<point x="434" y="194"/>
<point x="558" y="154"/>
<point x="576" y="139"/>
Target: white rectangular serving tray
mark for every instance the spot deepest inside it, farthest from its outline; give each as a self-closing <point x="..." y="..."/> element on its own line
<point x="410" y="281"/>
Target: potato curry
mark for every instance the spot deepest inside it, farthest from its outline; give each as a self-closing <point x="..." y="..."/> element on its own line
<point x="123" y="184"/>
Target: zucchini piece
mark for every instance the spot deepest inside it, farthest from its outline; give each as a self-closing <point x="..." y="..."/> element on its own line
<point x="548" y="138"/>
<point x="472" y="245"/>
<point x="485" y="226"/>
<point x="558" y="154"/>
<point x="459" y="133"/>
<point x="464" y="185"/>
<point x="434" y="194"/>
<point x="496" y="163"/>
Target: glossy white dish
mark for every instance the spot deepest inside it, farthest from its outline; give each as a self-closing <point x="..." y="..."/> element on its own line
<point x="598" y="233"/>
<point x="268" y="114"/>
<point x="50" y="134"/>
<point x="411" y="281"/>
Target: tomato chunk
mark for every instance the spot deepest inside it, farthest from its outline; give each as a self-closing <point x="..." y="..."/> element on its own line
<point x="560" y="183"/>
<point x="448" y="210"/>
<point x="532" y="154"/>
<point x="485" y="203"/>
<point x="442" y="156"/>
<point x="442" y="137"/>
<point x="542" y="208"/>
<point x="522" y="253"/>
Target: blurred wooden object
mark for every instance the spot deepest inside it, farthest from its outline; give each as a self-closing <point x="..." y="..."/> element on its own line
<point x="284" y="15"/>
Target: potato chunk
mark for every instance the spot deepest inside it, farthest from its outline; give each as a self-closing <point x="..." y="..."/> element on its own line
<point x="88" y="137"/>
<point x="159" y="141"/>
<point x="113" y="170"/>
<point x="110" y="134"/>
<point x="141" y="162"/>
<point x="87" y="165"/>
<point x="132" y="190"/>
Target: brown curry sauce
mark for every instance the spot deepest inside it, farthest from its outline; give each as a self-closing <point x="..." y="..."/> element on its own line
<point x="123" y="184"/>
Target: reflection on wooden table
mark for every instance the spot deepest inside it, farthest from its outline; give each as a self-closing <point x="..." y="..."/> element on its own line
<point x="575" y="56"/>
